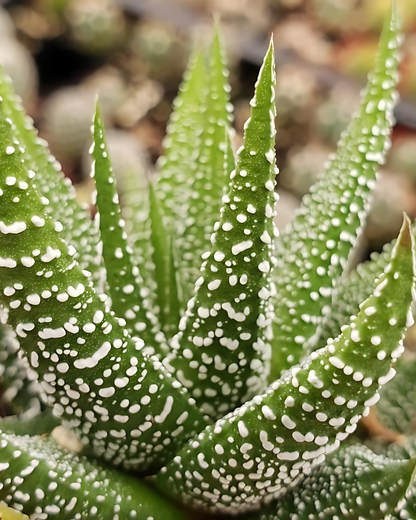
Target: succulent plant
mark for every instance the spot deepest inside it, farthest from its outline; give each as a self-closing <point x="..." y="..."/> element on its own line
<point x="333" y="115"/>
<point x="333" y="15"/>
<point x="303" y="166"/>
<point x="68" y="112"/>
<point x="19" y="64"/>
<point x="161" y="49"/>
<point x="7" y="29"/>
<point x="212" y="375"/>
<point x="403" y="156"/>
<point x="95" y="26"/>
<point x="66" y="121"/>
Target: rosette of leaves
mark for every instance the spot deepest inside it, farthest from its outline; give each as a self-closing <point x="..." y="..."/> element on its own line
<point x="163" y="352"/>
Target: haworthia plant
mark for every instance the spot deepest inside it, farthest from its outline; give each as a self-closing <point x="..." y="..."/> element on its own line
<point x="145" y="375"/>
<point x="314" y="250"/>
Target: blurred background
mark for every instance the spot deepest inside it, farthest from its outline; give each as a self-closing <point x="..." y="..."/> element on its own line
<point x="60" y="53"/>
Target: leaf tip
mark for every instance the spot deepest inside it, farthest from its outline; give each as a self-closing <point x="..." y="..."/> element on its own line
<point x="270" y="50"/>
<point x="406" y="235"/>
<point x="411" y="464"/>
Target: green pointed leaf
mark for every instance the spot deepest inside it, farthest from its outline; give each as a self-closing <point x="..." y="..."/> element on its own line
<point x="353" y="483"/>
<point x="178" y="165"/>
<point x="162" y="259"/>
<point x="95" y="377"/>
<point x="314" y="250"/>
<point x="123" y="277"/>
<point x="262" y="449"/>
<point x="135" y="208"/>
<point x="215" y="162"/>
<point x="40" y="478"/>
<point x="222" y="352"/>
<point x="175" y="288"/>
<point x="77" y="226"/>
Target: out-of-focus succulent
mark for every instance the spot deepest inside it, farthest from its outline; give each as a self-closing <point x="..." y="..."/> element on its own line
<point x="333" y="15"/>
<point x="356" y="57"/>
<point x="20" y="66"/>
<point x="289" y="4"/>
<point x="298" y="35"/>
<point x="110" y="87"/>
<point x="161" y="49"/>
<point x="393" y="194"/>
<point x="240" y="13"/>
<point x="288" y="204"/>
<point x="303" y="167"/>
<point x="7" y="30"/>
<point x="403" y="156"/>
<point x="296" y="90"/>
<point x="66" y="121"/>
<point x="296" y="94"/>
<point x="67" y="113"/>
<point x="373" y="12"/>
<point x="333" y="115"/>
<point x="142" y="98"/>
<point x="95" y="26"/>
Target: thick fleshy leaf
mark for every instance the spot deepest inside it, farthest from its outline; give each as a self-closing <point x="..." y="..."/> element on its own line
<point x="262" y="449"/>
<point x="178" y="165"/>
<point x="118" y="399"/>
<point x="222" y="352"/>
<point x="157" y="220"/>
<point x="167" y="292"/>
<point x="135" y="208"/>
<point x="123" y="277"/>
<point x="77" y="226"/>
<point x="41" y="479"/>
<point x="215" y="162"/>
<point x="352" y="483"/>
<point x="314" y="250"/>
